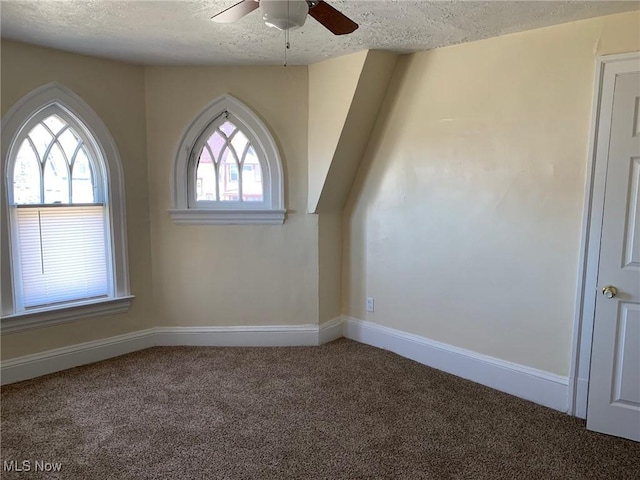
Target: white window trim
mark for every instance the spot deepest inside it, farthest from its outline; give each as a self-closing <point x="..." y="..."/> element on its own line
<point x="69" y="312"/>
<point x="13" y="124"/>
<point x="186" y="212"/>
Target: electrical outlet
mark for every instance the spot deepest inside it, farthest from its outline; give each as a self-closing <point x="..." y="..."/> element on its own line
<point x="369" y="304"/>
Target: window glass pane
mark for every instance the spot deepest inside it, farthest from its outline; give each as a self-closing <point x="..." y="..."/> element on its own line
<point x="227" y="128"/>
<point x="54" y="123"/>
<point x="216" y="143"/>
<point x="26" y="176"/>
<point x="239" y="142"/>
<point x="252" y="190"/>
<point x="41" y="138"/>
<point x="56" y="177"/>
<point x="239" y="173"/>
<point x="82" y="189"/>
<point x="228" y="178"/>
<point x="205" y="177"/>
<point x="69" y="141"/>
<point x="205" y="156"/>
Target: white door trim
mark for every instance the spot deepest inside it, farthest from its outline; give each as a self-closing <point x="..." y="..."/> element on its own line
<point x="607" y="67"/>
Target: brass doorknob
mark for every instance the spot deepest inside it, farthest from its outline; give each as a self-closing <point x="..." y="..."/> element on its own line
<point x="609" y="291"/>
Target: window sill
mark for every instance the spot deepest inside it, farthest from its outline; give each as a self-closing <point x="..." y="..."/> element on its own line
<point x="195" y="216"/>
<point x="46" y="317"/>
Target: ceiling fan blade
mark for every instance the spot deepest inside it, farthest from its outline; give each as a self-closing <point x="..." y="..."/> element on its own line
<point x="334" y="21"/>
<point x="236" y="12"/>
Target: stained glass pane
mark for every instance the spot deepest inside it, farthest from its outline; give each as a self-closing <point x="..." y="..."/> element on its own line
<point x="56" y="177"/>
<point x="26" y="176"/>
<point x="41" y="138"/>
<point x="228" y="179"/>
<point x="82" y="189"/>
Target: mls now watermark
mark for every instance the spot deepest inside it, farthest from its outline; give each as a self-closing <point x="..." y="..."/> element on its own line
<point x="31" y="466"/>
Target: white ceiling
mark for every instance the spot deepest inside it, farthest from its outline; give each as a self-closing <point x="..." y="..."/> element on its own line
<point x="181" y="33"/>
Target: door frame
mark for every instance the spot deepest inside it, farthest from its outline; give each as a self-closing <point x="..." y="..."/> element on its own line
<point x="607" y="68"/>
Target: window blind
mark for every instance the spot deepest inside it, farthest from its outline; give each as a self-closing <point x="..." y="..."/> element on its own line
<point x="62" y="253"/>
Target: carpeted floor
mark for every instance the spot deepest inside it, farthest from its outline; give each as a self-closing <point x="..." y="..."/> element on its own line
<point x="343" y="410"/>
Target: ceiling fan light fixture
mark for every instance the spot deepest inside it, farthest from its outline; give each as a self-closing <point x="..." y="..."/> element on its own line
<point x="284" y="14"/>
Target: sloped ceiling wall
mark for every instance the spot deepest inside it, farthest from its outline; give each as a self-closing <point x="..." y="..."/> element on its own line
<point x="345" y="95"/>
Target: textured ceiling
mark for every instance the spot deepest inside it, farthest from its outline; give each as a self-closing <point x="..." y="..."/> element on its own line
<point x="181" y="33"/>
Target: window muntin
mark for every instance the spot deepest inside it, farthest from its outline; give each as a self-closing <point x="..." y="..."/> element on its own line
<point x="224" y="152"/>
<point x="221" y="178"/>
<point x="53" y="166"/>
<point x="60" y="235"/>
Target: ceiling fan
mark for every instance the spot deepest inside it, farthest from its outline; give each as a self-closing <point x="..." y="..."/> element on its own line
<point x="287" y="14"/>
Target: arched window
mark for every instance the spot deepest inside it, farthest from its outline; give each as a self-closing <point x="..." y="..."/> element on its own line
<point x="66" y="213"/>
<point x="227" y="169"/>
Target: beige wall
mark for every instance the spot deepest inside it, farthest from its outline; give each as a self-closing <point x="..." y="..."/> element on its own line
<point x="116" y="92"/>
<point x="356" y="132"/>
<point x="345" y="95"/>
<point x="332" y="86"/>
<point x="329" y="266"/>
<point x="232" y="275"/>
<point x="464" y="222"/>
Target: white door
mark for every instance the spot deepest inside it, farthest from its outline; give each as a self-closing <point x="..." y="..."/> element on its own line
<point x="614" y="383"/>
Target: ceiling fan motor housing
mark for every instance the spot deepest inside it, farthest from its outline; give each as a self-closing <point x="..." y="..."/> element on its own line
<point x="284" y="14"/>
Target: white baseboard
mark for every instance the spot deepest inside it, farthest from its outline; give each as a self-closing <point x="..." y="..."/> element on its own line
<point x="241" y="336"/>
<point x="31" y="366"/>
<point x="525" y="382"/>
<point x="330" y="331"/>
<point x="531" y="384"/>
<point x="36" y="365"/>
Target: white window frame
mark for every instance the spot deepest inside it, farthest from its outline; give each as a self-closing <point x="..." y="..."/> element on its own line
<point x="185" y="210"/>
<point x="50" y="97"/>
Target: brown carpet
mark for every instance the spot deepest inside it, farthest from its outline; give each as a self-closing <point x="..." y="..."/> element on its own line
<point x="343" y="410"/>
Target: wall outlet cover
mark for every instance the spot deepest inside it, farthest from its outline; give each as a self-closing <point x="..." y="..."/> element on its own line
<point x="370" y="304"/>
